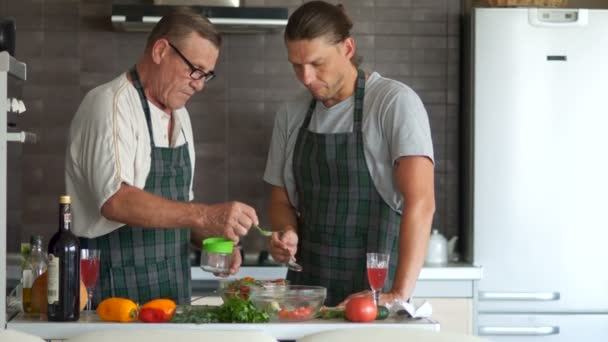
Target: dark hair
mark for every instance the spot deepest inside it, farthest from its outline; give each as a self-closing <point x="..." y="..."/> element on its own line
<point x="320" y="19"/>
<point x="178" y="24"/>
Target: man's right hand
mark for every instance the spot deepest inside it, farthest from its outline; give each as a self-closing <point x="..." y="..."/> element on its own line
<point x="283" y="245"/>
<point x="230" y="220"/>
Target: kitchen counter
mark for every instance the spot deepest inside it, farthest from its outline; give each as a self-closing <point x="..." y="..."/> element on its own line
<point x="452" y="271"/>
<point x="456" y="271"/>
<point x="451" y="280"/>
<point x="280" y="331"/>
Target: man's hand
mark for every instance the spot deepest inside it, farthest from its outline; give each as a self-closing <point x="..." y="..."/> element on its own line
<point x="230" y="220"/>
<point x="283" y="245"/>
<point x="387" y="297"/>
<point x="236" y="264"/>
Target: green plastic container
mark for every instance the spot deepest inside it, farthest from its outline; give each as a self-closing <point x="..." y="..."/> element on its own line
<point x="216" y="255"/>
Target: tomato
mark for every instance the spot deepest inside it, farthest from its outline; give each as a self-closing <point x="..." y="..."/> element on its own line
<point x="284" y="314"/>
<point x="361" y="309"/>
<point x="244" y="288"/>
<point x="301" y="313"/>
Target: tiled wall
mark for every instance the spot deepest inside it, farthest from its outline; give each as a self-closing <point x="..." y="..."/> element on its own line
<point x="70" y="47"/>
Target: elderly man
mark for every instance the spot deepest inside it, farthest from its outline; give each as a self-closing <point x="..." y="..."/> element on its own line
<point x="350" y="164"/>
<point x="129" y="167"/>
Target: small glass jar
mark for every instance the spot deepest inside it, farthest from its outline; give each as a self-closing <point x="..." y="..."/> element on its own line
<point x="216" y="255"/>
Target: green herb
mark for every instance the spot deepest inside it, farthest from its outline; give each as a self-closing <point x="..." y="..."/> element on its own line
<point x="235" y="310"/>
<point x="195" y="314"/>
<point x="331" y="313"/>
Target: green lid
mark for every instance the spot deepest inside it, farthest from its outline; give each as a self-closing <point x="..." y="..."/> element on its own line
<point x="218" y="245"/>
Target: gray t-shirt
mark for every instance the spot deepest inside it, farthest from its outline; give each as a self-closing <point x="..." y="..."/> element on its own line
<point x="395" y="124"/>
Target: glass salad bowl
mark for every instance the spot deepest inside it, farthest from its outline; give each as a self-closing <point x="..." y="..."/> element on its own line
<point x="289" y="302"/>
<point x="241" y="288"/>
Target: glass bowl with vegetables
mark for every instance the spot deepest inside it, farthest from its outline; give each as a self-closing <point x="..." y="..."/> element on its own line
<point x="289" y="302"/>
<point x="241" y="288"/>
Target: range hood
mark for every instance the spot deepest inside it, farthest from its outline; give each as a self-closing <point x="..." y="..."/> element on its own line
<point x="135" y="16"/>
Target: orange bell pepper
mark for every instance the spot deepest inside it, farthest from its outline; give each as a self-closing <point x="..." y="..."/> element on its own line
<point x="167" y="306"/>
<point x="117" y="310"/>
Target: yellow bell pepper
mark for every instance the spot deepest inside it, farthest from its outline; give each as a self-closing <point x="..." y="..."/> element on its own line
<point x="117" y="310"/>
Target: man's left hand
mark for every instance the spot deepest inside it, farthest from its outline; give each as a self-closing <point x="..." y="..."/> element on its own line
<point x="386" y="297"/>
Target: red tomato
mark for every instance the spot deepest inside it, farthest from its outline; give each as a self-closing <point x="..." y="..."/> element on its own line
<point x="361" y="309"/>
<point x="301" y="313"/>
<point x="284" y="314"/>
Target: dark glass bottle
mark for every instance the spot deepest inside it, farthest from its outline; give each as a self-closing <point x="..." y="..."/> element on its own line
<point x="63" y="293"/>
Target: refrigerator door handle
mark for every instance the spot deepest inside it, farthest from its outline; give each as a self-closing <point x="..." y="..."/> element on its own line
<point x="519" y="296"/>
<point x="518" y="331"/>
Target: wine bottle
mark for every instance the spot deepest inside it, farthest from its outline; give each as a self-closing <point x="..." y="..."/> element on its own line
<point x="63" y="292"/>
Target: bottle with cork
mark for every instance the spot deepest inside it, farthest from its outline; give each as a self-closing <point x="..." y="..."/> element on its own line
<point x="63" y="291"/>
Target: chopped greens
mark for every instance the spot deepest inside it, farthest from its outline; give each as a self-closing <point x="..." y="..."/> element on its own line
<point x="330" y="313"/>
<point x="234" y="310"/>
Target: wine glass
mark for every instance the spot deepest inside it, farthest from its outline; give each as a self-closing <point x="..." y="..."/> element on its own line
<point x="89" y="271"/>
<point x="377" y="270"/>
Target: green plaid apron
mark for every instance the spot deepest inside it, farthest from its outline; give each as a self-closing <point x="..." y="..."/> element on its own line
<point x="142" y="263"/>
<point x="341" y="216"/>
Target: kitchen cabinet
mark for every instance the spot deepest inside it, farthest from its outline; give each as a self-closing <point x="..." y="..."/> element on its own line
<point x="451" y="290"/>
<point x="454" y="314"/>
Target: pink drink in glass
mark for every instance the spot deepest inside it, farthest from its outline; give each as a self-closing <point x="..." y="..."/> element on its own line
<point x="377" y="271"/>
<point x="376" y="277"/>
<point x="89" y="271"/>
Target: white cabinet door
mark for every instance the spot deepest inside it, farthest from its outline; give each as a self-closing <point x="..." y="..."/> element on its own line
<point x="543" y="328"/>
<point x="453" y="314"/>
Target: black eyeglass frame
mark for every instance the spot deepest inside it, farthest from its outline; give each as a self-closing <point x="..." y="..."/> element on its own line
<point x="196" y="73"/>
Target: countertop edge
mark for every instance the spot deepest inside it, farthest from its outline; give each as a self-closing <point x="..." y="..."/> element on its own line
<point x="448" y="272"/>
<point x="280" y="331"/>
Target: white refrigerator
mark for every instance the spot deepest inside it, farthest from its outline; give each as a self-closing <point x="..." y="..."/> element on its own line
<point x="540" y="173"/>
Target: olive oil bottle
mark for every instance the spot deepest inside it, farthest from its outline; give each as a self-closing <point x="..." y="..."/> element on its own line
<point x="35" y="266"/>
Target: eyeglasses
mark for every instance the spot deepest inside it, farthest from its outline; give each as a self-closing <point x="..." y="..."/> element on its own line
<point x="196" y="73"/>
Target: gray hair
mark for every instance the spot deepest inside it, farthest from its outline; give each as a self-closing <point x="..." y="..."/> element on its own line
<point x="181" y="22"/>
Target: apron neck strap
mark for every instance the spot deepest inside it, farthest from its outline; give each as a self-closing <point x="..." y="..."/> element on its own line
<point x="144" y="101"/>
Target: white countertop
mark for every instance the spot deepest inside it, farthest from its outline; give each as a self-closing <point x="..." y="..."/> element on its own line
<point x="280" y="331"/>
